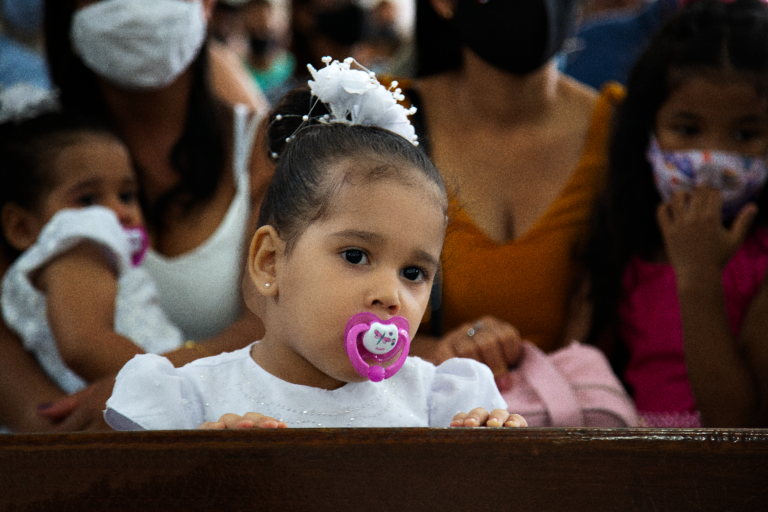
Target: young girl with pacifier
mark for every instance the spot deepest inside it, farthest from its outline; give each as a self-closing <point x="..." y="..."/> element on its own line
<point x="75" y="293"/>
<point x="350" y="236"/>
<point x="679" y="248"/>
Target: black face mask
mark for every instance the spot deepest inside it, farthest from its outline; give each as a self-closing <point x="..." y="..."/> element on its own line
<point x="259" y="46"/>
<point x="518" y="36"/>
<point x="343" y="26"/>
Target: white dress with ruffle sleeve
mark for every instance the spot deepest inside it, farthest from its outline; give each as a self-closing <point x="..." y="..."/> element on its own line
<point x="150" y="394"/>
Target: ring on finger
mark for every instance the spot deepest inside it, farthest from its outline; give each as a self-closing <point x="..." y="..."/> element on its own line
<point x="475" y="327"/>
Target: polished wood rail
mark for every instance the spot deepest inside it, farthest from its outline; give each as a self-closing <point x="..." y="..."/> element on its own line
<point x="389" y="469"/>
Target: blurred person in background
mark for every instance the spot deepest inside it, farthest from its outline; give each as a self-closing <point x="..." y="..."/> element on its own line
<point x="21" y="58"/>
<point x="323" y="28"/>
<point x="611" y="36"/>
<point x="523" y="151"/>
<point x="181" y="109"/>
<point x="382" y="40"/>
<point x="226" y="25"/>
<point x="268" y="59"/>
<point x="251" y="29"/>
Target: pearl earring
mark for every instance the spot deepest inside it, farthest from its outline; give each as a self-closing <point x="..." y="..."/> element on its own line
<point x="267" y="284"/>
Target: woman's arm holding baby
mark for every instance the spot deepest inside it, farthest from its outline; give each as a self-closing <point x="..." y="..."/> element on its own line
<point x="81" y="290"/>
<point x="24" y="387"/>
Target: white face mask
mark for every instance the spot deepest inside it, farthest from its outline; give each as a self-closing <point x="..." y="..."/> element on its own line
<point x="139" y="44"/>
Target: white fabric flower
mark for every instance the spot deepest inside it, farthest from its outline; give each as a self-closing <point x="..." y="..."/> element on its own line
<point x="355" y="97"/>
<point x="24" y="101"/>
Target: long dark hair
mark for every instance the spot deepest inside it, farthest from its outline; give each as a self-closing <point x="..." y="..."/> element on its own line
<point x="300" y="191"/>
<point x="198" y="156"/>
<point x="708" y="35"/>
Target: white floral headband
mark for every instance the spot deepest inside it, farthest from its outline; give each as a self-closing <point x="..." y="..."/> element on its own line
<point x="355" y="97"/>
<point x="24" y="101"/>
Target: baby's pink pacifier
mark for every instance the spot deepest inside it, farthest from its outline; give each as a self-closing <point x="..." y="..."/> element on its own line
<point x="369" y="337"/>
<point x="139" y="243"/>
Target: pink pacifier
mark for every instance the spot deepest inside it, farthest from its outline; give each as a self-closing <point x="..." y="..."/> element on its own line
<point x="139" y="243"/>
<point x="369" y="337"/>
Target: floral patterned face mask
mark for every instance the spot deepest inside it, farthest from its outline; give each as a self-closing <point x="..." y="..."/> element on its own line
<point x="738" y="177"/>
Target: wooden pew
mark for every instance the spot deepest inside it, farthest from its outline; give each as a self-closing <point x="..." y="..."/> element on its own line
<point x="389" y="469"/>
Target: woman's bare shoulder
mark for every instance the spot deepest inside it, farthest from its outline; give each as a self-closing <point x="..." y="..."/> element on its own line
<point x="578" y="95"/>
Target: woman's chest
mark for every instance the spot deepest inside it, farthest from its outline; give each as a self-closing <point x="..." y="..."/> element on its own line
<point x="185" y="229"/>
<point x="185" y="224"/>
<point x="507" y="182"/>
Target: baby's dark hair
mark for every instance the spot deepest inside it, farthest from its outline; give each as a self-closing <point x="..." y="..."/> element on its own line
<point x="28" y="151"/>
<point x="301" y="191"/>
<point x="709" y="36"/>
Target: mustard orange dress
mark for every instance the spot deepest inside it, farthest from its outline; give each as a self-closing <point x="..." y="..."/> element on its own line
<point x="528" y="281"/>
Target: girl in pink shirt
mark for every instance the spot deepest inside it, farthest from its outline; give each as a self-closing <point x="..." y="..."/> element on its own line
<point x="679" y="246"/>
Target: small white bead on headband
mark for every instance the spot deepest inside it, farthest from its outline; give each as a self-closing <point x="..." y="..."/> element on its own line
<point x="355" y="97"/>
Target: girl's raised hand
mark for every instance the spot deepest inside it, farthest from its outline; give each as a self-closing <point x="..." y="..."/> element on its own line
<point x="247" y="421"/>
<point x="481" y="418"/>
<point x="693" y="231"/>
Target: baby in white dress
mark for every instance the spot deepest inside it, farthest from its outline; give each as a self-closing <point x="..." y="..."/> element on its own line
<point x="75" y="293"/>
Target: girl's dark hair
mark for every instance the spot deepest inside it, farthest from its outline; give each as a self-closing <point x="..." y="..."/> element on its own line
<point x="28" y="152"/>
<point x="199" y="155"/>
<point x="300" y="191"/>
<point x="709" y="35"/>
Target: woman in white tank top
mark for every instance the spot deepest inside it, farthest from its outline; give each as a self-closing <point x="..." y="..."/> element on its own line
<point x="201" y="178"/>
<point x="191" y="283"/>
